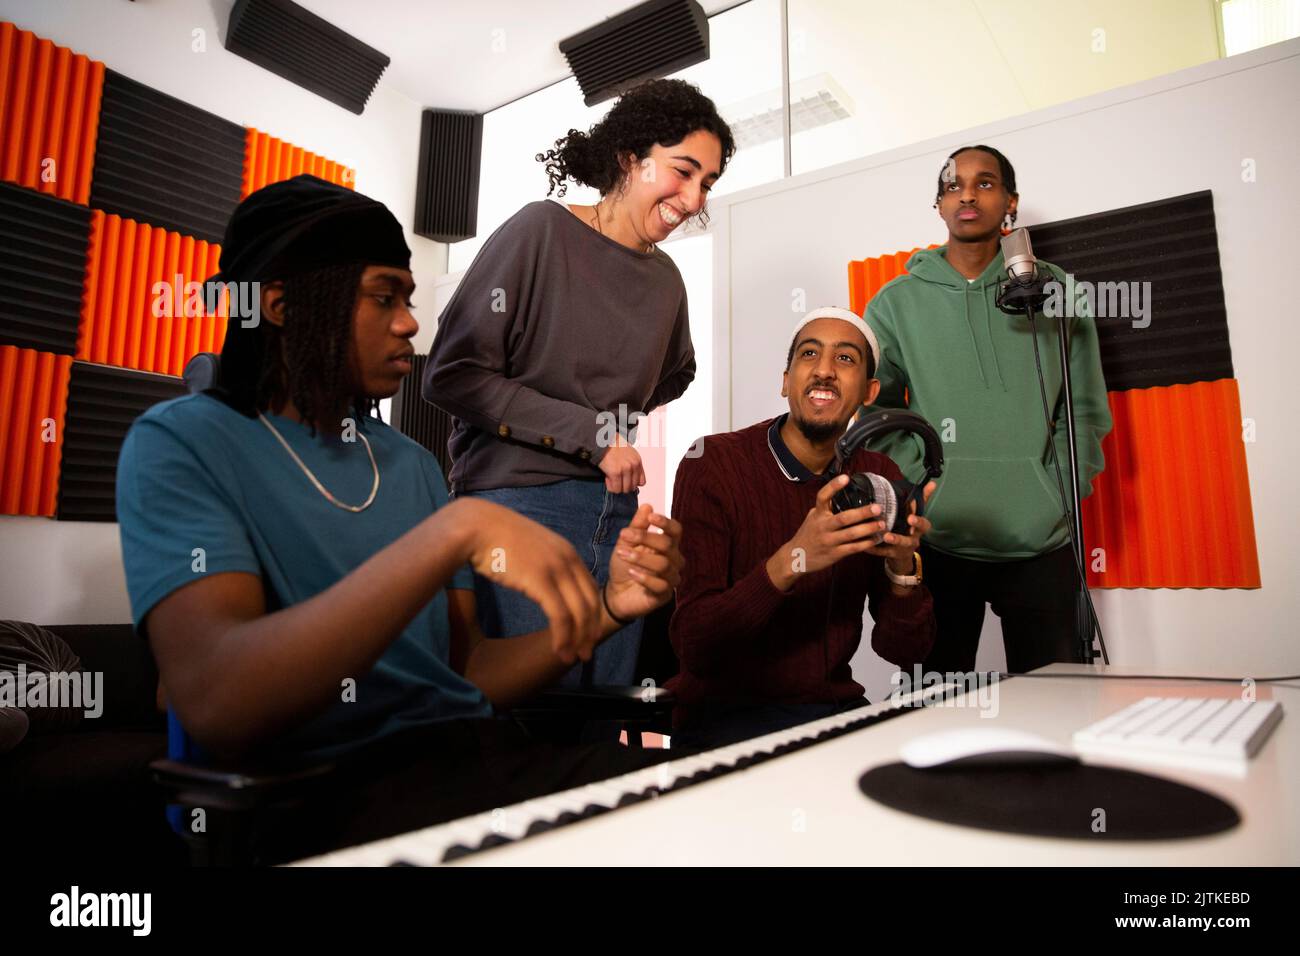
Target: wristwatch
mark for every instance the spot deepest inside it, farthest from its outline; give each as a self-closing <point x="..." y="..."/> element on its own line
<point x="907" y="580"/>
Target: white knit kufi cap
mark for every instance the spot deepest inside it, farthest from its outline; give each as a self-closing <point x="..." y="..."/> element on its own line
<point x="833" y="312"/>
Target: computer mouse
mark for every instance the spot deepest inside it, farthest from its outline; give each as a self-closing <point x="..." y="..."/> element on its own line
<point x="983" y="747"/>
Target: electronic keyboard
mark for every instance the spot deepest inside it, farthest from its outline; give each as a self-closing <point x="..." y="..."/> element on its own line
<point x="457" y="839"/>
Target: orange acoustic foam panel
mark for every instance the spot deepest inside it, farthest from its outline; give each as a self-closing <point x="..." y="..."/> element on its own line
<point x="1172" y="509"/>
<point x="866" y="276"/>
<point x="33" y="401"/>
<point x="127" y="318"/>
<point x="269" y="160"/>
<point x="49" y="115"/>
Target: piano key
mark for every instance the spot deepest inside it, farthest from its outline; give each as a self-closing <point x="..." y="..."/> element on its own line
<point x="449" y="842"/>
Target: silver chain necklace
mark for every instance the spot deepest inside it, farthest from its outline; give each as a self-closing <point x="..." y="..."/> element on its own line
<point x="321" y="488"/>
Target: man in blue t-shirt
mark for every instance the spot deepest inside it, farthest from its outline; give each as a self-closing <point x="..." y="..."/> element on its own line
<point x="294" y="563"/>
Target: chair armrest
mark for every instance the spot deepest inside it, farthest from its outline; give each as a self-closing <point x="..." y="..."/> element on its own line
<point x="193" y="785"/>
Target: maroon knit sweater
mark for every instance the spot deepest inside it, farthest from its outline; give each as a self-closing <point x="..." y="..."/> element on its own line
<point x="738" y="638"/>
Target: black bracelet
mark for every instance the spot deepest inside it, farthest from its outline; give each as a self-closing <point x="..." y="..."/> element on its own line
<point x="604" y="599"/>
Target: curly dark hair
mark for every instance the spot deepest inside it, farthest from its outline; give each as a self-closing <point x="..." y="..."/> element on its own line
<point x="656" y="112"/>
<point x="310" y="359"/>
<point x="1004" y="167"/>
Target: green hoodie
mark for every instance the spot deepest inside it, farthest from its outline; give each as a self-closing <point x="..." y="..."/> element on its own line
<point x="968" y="368"/>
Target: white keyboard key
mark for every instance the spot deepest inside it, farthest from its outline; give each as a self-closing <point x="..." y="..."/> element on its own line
<point x="1154" y="731"/>
<point x="1212" y="733"/>
<point x="1196" y="718"/>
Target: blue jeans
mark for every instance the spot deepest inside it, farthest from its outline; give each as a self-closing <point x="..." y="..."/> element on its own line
<point x="589" y="517"/>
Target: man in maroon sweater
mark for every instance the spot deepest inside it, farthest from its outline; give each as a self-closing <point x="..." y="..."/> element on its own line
<point x="769" y="610"/>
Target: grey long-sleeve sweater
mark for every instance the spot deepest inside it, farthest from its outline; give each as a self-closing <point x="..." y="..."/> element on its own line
<point x="553" y="325"/>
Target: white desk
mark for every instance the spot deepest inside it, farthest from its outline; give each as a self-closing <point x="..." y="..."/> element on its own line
<point x="805" y="808"/>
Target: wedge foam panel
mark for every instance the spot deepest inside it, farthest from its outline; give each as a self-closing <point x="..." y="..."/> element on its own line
<point x="102" y="404"/>
<point x="422" y="421"/>
<point x="446" y="188"/>
<point x="164" y="162"/>
<point x="33" y="400"/>
<point x="142" y="307"/>
<point x="650" y="40"/>
<point x="49" y="115"/>
<point x="866" y="276"/>
<point x="1172" y="244"/>
<point x="1173" y="509"/>
<point x="42" y="259"/>
<point x="294" y="43"/>
<point x="269" y="160"/>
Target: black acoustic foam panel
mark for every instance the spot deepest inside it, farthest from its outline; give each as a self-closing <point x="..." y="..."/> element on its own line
<point x="1174" y="245"/>
<point x="102" y="403"/>
<point x="42" y="269"/>
<point x="650" y="40"/>
<point x="161" y="161"/>
<point x="446" y="192"/>
<point x="294" y="43"/>
<point x="420" y="421"/>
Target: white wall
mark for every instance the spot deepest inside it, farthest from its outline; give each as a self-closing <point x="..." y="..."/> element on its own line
<point x="1176" y="134"/>
<point x="71" y="572"/>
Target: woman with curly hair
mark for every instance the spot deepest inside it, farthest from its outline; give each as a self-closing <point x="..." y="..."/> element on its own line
<point x="569" y="326"/>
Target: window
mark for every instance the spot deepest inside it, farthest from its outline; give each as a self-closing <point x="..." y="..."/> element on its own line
<point x="869" y="75"/>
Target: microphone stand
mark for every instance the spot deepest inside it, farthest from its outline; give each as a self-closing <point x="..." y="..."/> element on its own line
<point x="1020" y="298"/>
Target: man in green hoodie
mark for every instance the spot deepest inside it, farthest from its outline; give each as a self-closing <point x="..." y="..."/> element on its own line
<point x="999" y="533"/>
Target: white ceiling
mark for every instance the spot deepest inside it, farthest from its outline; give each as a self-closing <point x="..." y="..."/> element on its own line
<point x="471" y="54"/>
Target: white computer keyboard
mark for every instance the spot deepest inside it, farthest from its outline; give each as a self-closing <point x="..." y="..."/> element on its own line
<point x="1214" y="733"/>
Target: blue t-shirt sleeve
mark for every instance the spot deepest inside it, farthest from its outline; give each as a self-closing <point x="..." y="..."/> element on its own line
<point x="463" y="578"/>
<point x="177" y="522"/>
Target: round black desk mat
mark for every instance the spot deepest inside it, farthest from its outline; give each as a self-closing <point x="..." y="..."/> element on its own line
<point x="1054" y="801"/>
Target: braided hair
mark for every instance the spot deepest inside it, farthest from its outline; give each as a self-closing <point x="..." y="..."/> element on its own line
<point x="310" y="359"/>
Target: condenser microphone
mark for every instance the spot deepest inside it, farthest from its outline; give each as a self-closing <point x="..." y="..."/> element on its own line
<point x="1018" y="256"/>
<point x="1024" y="288"/>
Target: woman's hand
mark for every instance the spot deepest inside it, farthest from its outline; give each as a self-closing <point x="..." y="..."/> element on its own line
<point x="622" y="467"/>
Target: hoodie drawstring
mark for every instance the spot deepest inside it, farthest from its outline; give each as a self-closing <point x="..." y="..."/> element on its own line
<point x="970" y="328"/>
<point x="988" y="324"/>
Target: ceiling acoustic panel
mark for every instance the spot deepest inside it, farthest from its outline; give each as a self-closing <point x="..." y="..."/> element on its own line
<point x="650" y="40"/>
<point x="294" y="43"/>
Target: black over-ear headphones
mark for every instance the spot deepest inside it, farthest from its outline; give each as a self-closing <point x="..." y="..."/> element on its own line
<point x="867" y="488"/>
